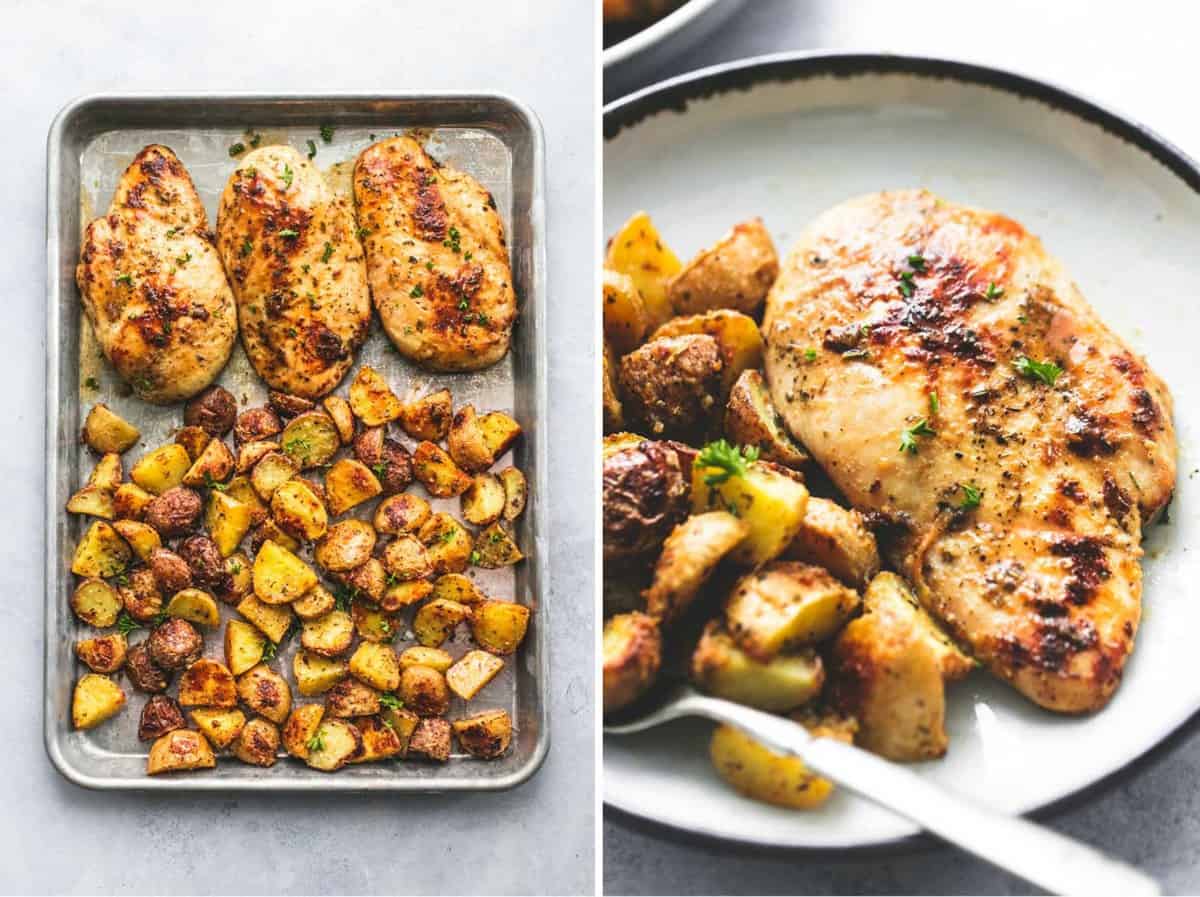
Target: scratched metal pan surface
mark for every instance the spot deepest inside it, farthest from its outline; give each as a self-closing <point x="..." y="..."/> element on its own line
<point x="494" y="138"/>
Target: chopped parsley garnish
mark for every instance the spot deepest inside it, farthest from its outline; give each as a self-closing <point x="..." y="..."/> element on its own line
<point x="288" y="234"/>
<point x="1046" y="371"/>
<point x="268" y="650"/>
<point x="429" y="266"/>
<point x="906" y="284"/>
<point x="851" y="354"/>
<point x="917" y="261"/>
<point x="304" y="268"/>
<point x="1022" y="319"/>
<point x="463" y="305"/>
<point x="327" y="133"/>
<point x="452" y="242"/>
<point x="210" y="483"/>
<point x="173" y="231"/>
<point x="126" y="279"/>
<point x="237" y="149"/>
<point x="729" y="461"/>
<point x="971" y="497"/>
<point x="325" y="256"/>
<point x="247" y="247"/>
<point x="417" y="292"/>
<point x="448" y="536"/>
<point x="474" y="559"/>
<point x="993" y="291"/>
<point x="91" y="383"/>
<point x="183" y="260"/>
<point x="317" y="742"/>
<point x="934" y="404"/>
<point x="127" y="624"/>
<point x="1133" y="480"/>
<point x="255" y="139"/>
<point x="380" y="469"/>
<point x="287" y="175"/>
<point x="466" y="256"/>
<point x="312" y="149"/>
<point x="362" y="232"/>
<point x="390" y="701"/>
<point x="908" y="437"/>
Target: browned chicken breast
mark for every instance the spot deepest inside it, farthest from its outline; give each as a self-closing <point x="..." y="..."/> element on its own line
<point x="953" y="382"/>
<point x="296" y="264"/>
<point x="436" y="258"/>
<point x="152" y="283"/>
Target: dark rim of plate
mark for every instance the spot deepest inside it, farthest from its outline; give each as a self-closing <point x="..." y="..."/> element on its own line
<point x="674" y="94"/>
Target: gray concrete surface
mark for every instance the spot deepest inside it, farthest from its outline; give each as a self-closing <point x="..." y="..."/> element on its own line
<point x="1139" y="60"/>
<point x="56" y="838"/>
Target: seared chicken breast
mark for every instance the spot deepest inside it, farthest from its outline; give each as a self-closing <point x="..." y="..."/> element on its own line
<point x="954" y="383"/>
<point x="152" y="284"/>
<point x="294" y="259"/>
<point x="436" y="258"/>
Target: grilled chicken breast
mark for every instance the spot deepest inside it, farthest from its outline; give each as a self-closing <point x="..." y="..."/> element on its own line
<point x="293" y="255"/>
<point x="436" y="258"/>
<point x="152" y="284"/>
<point x="954" y="383"/>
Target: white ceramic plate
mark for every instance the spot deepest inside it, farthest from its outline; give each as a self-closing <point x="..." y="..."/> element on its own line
<point x="633" y="60"/>
<point x="787" y="137"/>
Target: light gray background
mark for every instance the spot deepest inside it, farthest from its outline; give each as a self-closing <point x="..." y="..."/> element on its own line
<point x="57" y="838"/>
<point x="1139" y="59"/>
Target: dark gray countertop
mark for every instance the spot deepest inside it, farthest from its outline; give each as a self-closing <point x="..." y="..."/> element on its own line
<point x="1149" y="815"/>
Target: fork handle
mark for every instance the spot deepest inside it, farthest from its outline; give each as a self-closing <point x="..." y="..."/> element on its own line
<point x="1039" y="855"/>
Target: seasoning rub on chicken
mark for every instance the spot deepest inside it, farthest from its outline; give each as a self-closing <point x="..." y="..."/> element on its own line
<point x="152" y="284"/>
<point x="954" y="383"/>
<point x="436" y="257"/>
<point x="293" y="255"/>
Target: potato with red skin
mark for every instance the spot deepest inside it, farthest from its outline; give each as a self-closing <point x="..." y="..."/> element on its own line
<point x="647" y="491"/>
<point x="288" y="405"/>
<point x="175" y="512"/>
<point x="102" y="654"/>
<point x="140" y="595"/>
<point x="673" y="384"/>
<point x="175" y="644"/>
<point x="204" y="559"/>
<point x="257" y="743"/>
<point x="143" y="673"/>
<point x="160" y="715"/>
<point x="430" y="740"/>
<point x="387" y="458"/>
<point x="428" y="418"/>
<point x="171" y="572"/>
<point x="214" y="411"/>
<point x="256" y="425"/>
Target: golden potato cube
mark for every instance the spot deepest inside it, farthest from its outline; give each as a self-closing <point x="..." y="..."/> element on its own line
<point x="300" y="727"/>
<point x="220" y="727"/>
<point x="273" y="620"/>
<point x="485" y="735"/>
<point x="106" y="431"/>
<point x="130" y="500"/>
<point x="92" y="501"/>
<point x="736" y="272"/>
<point x="494" y="547"/>
<point x="837" y="539"/>
<point x="767" y="498"/>
<point x="448" y="544"/>
<point x="403" y="513"/>
<point x="258" y="743"/>
<point x="214" y="465"/>
<point x="195" y="440"/>
<point x="101" y="552"/>
<point x="761" y="774"/>
<point x="639" y="251"/>
<point x="141" y="537"/>
<point x="466" y="442"/>
<point x="96" y="699"/>
<point x="298" y="510"/>
<point x="270" y="472"/>
<point x="376" y="665"/>
<point x="227" y="521"/>
<point x="207" y="683"/>
<point x="499" y="626"/>
<point x="315" y="674"/>
<point x="373" y="624"/>
<point x="317" y="602"/>
<point x="266" y="693"/>
<point x="380" y="740"/>
<point x="329" y="635"/>
<point x="436" y="621"/>
<point x="456" y="587"/>
<point x="405" y="558"/>
<point x="178" y="751"/>
<point x="244" y="646"/>
<point x="241" y="489"/>
<point x="195" y="606"/>
<point x="626" y="321"/>
<point x="341" y="414"/>
<point x="311" y="439"/>
<point x="333" y="745"/>
<point x="280" y="576"/>
<point x="349" y="483"/>
<point x="103" y="654"/>
<point x="430" y="740"/>
<point x="751" y="419"/>
<point x="424" y="691"/>
<point x="400" y="721"/>
<point x="514" y="492"/>
<point x="161" y="469"/>
<point x="250" y="453"/>
<point x="785" y="682"/>
<point x="483" y="502"/>
<point x="351" y="698"/>
<point x="472" y="672"/>
<point x="737" y="336"/>
<point x="428" y="417"/>
<point x="499" y="433"/>
<point x="420" y="656"/>
<point x="346" y="545"/>
<point x="372" y="401"/>
<point x="97" y="603"/>
<point x="632" y="656"/>
<point x="405" y="594"/>
<point x="107" y="474"/>
<point x="437" y="472"/>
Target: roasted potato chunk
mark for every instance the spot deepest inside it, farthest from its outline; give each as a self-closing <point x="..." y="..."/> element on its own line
<point x="752" y="419"/>
<point x="251" y="453"/>
<point x="770" y="499"/>
<point x="195" y="606"/>
<point x="329" y="635"/>
<point x="369" y="580"/>
<point x="241" y="578"/>
<point x="837" y="539"/>
<point x="372" y="401"/>
<point x="402" y="722"/>
<point x="647" y="490"/>
<point x="161" y="469"/>
<point x="220" y="727"/>
<point x="102" y="654"/>
<point x="299" y="511"/>
<point x="430" y="740"/>
<point x="214" y="411"/>
<point x="160" y="715"/>
<point x="735" y="273"/>
<point x="483" y="502"/>
<point x="397" y="514"/>
<point x="280" y="576"/>
<point x="171" y="572"/>
<point x="632" y="655"/>
<point x="785" y="682"/>
<point x="639" y="252"/>
<point x="688" y="558"/>
<point x="174" y="644"/>
<point x="315" y="674"/>
<point x="272" y="620"/>
<point x="106" y="431"/>
<point x="424" y="691"/>
<point x="317" y="602"/>
<point x="405" y="594"/>
<point x="786" y="605"/>
<point x="498" y="626"/>
<point x="436" y="621"/>
<point x="458" y="588"/>
<point x="174" y="512"/>
<point x="377" y="665"/>
<point x="107" y="473"/>
<point x="227" y="521"/>
<point x="514" y="492"/>
<point x="268" y="530"/>
<point x="332" y="745"/>
<point x="287" y="405"/>
<point x="342" y="415"/>
<point x="143" y="673"/>
<point x="739" y="340"/>
<point x="257" y="743"/>
<point x="466" y="441"/>
<point x="141" y="537"/>
<point x="94" y="502"/>
<point x="500" y="431"/>
<point x="419" y="655"/>
<point x="311" y="440"/>
<point x="349" y="483"/>
<point x="241" y="489"/>
<point x="140" y="595"/>
<point x="244" y="646"/>
<point x="379" y="740"/>
<point x="214" y="464"/>
<point x="387" y="458"/>
<point x="346" y="545"/>
<point x="494" y="548"/>
<point x="207" y="683"/>
<point x="256" y="425"/>
<point x="472" y="672"/>
<point x="374" y="624"/>
<point x="673" y="383"/>
<point x="438" y="473"/>
<point x="178" y="751"/>
<point x="626" y="320"/>
<point x="301" y="726"/>
<point x="448" y="544"/>
<point x="270" y="472"/>
<point x="100" y="553"/>
<point x="195" y="440"/>
<point x="428" y="418"/>
<point x="350" y="698"/>
<point x="96" y="603"/>
<point x="485" y="735"/>
<point x="130" y="501"/>
<point x="610" y="393"/>
<point x="405" y="558"/>
<point x="96" y="699"/>
<point x="889" y="594"/>
<point x="266" y="693"/>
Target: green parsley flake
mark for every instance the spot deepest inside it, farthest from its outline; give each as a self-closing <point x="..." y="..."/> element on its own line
<point x="993" y="292"/>
<point x="1046" y="371"/>
<point x="726" y="459"/>
<point x="934" y="404"/>
<point x="810" y="355"/>
<point x="247" y="247"/>
<point x="417" y="292"/>
<point x="312" y="149"/>
<point x="287" y="175"/>
<point x="971" y="497"/>
<point x="328" y="253"/>
<point x="237" y="149"/>
<point x="327" y="133"/>
<point x="288" y="234"/>
<point x="390" y="701"/>
<point x="255" y="139"/>
<point x="908" y="437"/>
<point x="126" y="279"/>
